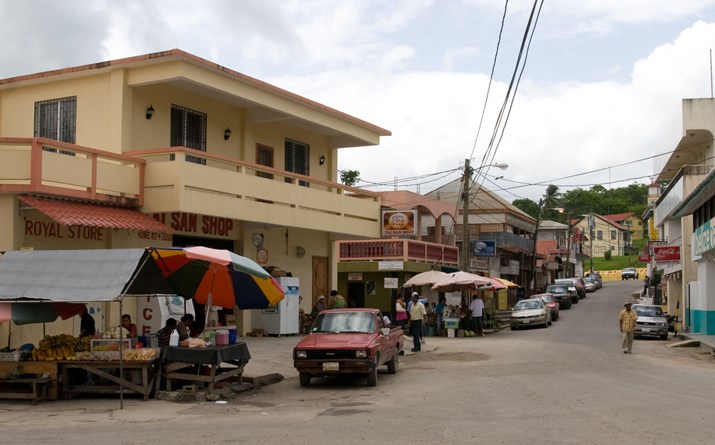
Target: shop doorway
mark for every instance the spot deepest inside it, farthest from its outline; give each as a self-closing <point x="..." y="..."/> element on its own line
<point x="320" y="278"/>
<point x="356" y="294"/>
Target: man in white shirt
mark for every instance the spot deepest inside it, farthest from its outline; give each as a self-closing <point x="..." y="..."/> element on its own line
<point x="477" y="308"/>
<point x="417" y="315"/>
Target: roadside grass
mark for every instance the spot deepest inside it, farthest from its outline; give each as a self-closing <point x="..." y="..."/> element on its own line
<point x="619" y="262"/>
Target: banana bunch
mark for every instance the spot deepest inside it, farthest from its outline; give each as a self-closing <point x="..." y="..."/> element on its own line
<point x="65" y="341"/>
<point x="53" y="354"/>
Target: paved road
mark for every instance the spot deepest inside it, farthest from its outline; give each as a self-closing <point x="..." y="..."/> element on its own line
<point x="568" y="384"/>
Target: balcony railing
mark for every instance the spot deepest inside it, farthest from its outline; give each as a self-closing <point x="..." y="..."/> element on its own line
<point x="509" y="241"/>
<point x="188" y="180"/>
<point x="38" y="165"/>
<point x="397" y="250"/>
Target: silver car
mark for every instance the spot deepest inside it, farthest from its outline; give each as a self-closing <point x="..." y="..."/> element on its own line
<point x="651" y="321"/>
<point x="531" y="312"/>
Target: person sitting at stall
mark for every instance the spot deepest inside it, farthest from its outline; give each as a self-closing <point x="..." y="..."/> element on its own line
<point x="86" y="324"/>
<point x="164" y="334"/>
<point x="319" y="307"/>
<point x="129" y="326"/>
<point x="183" y="328"/>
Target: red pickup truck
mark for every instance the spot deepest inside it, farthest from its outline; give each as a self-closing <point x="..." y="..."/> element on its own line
<point x="348" y="341"/>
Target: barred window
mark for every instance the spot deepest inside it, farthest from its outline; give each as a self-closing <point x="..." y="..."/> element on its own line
<point x="188" y="129"/>
<point x="57" y="119"/>
<point x="297" y="156"/>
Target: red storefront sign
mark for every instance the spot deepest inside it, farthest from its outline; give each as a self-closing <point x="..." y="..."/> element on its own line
<point x="644" y="258"/>
<point x="666" y="253"/>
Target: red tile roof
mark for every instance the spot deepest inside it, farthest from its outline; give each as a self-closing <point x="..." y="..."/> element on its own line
<point x="617" y="217"/>
<point x="72" y="213"/>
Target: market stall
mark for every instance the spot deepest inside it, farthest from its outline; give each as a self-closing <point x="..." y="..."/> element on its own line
<point x="213" y="277"/>
<point x="204" y="365"/>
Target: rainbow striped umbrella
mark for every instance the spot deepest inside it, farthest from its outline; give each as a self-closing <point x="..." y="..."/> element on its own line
<point x="217" y="277"/>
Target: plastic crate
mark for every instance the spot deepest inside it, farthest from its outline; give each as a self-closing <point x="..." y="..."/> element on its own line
<point x="451" y="323"/>
<point x="15" y="356"/>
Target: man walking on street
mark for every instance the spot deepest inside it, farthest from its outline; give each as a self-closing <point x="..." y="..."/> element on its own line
<point x="477" y="308"/>
<point x="627" y="323"/>
<point x="417" y="315"/>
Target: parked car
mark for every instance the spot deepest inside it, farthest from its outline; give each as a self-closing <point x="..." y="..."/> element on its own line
<point x="590" y="284"/>
<point x="651" y="321"/>
<point x="551" y="303"/>
<point x="577" y="283"/>
<point x="598" y="277"/>
<point x="562" y="294"/>
<point x="348" y="341"/>
<point x="530" y="312"/>
<point x="629" y="273"/>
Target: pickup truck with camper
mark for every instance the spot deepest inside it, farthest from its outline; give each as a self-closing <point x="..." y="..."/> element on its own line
<point x="348" y="341"/>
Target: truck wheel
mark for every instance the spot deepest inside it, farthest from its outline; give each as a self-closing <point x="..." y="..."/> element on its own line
<point x="304" y="379"/>
<point x="393" y="364"/>
<point x="372" y="377"/>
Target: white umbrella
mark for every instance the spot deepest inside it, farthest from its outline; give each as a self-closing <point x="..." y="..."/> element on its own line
<point x="425" y="278"/>
<point x="457" y="281"/>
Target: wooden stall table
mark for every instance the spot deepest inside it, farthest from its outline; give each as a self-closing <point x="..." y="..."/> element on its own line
<point x="99" y="367"/>
<point x="225" y="362"/>
<point x="36" y="370"/>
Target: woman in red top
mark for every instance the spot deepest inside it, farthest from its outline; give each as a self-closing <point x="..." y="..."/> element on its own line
<point x="129" y="326"/>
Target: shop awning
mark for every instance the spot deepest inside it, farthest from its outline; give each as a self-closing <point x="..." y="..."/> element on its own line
<point x="79" y="275"/>
<point x="72" y="213"/>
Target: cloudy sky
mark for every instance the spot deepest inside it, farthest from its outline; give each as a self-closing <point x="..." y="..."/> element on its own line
<point x="599" y="96"/>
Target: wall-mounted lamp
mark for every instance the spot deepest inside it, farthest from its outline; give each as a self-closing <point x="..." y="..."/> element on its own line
<point x="149" y="112"/>
<point x="299" y="251"/>
<point x="227" y="134"/>
<point x="322" y="160"/>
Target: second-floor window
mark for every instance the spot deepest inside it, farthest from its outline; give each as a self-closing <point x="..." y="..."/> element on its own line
<point x="57" y="119"/>
<point x="188" y="129"/>
<point x="599" y="235"/>
<point x="613" y="235"/>
<point x="297" y="156"/>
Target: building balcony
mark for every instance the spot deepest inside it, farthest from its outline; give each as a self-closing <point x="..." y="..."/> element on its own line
<point x="230" y="188"/>
<point x="510" y="242"/>
<point x="163" y="180"/>
<point x="44" y="166"/>
<point x="397" y="250"/>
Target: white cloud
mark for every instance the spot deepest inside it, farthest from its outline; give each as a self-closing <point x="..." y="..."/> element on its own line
<point x="420" y="69"/>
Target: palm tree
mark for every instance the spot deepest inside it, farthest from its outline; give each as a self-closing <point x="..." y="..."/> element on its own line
<point x="552" y="197"/>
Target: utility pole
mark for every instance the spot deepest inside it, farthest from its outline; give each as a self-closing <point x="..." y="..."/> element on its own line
<point x="533" y="251"/>
<point x="591" y="224"/>
<point x="465" y="214"/>
<point x="568" y="244"/>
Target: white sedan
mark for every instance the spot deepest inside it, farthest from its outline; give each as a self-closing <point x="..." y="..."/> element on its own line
<point x="531" y="312"/>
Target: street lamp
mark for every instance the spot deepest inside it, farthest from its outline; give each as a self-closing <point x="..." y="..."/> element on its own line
<point x="465" y="209"/>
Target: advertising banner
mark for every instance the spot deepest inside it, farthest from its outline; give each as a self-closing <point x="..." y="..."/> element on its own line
<point x="399" y="223"/>
<point x="484" y="248"/>
<point x="666" y="253"/>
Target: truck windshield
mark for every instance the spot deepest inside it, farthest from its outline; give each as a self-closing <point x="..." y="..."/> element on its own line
<point x="345" y="322"/>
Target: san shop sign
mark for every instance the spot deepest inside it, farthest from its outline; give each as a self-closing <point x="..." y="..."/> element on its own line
<point x="666" y="253"/>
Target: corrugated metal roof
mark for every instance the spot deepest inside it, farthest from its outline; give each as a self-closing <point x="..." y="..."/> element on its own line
<point x="72" y="213"/>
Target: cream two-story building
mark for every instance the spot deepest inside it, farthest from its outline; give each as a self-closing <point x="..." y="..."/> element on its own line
<point x="171" y="149"/>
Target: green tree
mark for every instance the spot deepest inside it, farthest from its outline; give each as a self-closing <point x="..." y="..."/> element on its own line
<point x="349" y="177"/>
<point x="527" y="205"/>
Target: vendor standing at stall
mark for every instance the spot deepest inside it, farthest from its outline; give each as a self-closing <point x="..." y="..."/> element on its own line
<point x="86" y="324"/>
<point x="129" y="326"/>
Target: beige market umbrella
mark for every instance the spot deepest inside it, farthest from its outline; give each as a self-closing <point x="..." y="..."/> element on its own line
<point x="461" y="280"/>
<point x="428" y="278"/>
